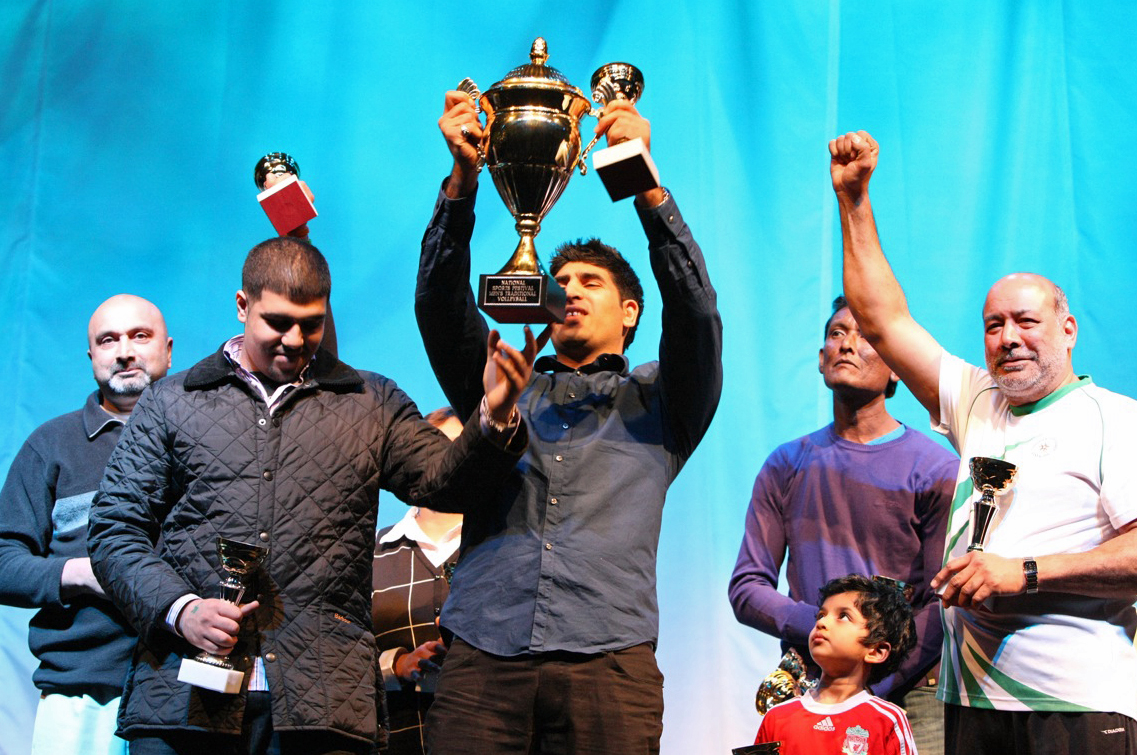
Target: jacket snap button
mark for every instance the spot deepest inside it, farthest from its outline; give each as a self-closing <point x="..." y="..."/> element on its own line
<point x="261" y="421"/>
<point x="264" y="536"/>
<point x="270" y="657"/>
<point x="267" y="474"/>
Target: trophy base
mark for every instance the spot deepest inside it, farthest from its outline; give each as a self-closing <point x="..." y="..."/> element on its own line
<point x="208" y="676"/>
<point x="626" y="169"/>
<point x="521" y="298"/>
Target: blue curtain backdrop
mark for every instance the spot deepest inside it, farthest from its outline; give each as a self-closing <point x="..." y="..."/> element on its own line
<point x="129" y="131"/>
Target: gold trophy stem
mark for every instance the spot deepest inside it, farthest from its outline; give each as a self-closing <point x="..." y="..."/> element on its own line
<point x="524" y="260"/>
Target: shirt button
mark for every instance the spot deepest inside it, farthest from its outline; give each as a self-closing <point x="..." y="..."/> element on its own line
<point x="261" y="421"/>
<point x="267" y="474"/>
<point x="270" y="657"/>
<point x="264" y="536"/>
<point x="564" y="425"/>
<point x="553" y="501"/>
<point x="558" y="457"/>
<point x="548" y="546"/>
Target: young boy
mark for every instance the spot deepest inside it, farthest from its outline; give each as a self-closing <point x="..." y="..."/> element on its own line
<point x="864" y="630"/>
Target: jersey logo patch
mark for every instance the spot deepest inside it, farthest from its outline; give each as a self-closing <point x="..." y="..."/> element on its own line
<point x="856" y="741"/>
<point x="1044" y="446"/>
<point x="825" y="724"/>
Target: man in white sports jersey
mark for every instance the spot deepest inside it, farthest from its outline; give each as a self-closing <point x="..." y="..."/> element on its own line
<point x="1039" y="628"/>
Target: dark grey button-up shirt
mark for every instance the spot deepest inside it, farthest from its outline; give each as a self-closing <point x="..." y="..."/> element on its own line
<point x="563" y="558"/>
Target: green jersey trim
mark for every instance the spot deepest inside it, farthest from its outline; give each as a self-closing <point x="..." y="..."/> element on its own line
<point x="1045" y="401"/>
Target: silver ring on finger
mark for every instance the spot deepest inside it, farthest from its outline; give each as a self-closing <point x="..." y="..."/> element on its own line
<point x="465" y="132"/>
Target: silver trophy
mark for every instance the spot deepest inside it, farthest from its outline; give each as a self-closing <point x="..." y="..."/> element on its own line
<point x="216" y="672"/>
<point x="990" y="477"/>
<point x="626" y="167"/>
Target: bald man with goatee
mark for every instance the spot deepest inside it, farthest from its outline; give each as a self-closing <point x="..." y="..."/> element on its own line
<point x="82" y="642"/>
<point x="1039" y="625"/>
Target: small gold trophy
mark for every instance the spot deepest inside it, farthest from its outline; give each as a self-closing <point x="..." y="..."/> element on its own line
<point x="991" y="477"/>
<point x="216" y="672"/>
<point x="785" y="682"/>
<point x="531" y="145"/>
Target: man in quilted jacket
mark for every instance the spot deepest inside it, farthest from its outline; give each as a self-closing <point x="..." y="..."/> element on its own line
<point x="273" y="441"/>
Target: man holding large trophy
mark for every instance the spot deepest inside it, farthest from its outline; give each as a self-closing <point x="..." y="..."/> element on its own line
<point x="1041" y="570"/>
<point x="552" y="607"/>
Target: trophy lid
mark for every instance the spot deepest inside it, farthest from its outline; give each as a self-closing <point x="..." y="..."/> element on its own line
<point x="536" y="73"/>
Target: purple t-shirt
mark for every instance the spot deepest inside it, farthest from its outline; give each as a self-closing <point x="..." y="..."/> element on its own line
<point x="840" y="507"/>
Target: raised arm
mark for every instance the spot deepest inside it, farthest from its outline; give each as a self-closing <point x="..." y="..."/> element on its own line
<point x="453" y="331"/>
<point x="690" y="348"/>
<point x="874" y="295"/>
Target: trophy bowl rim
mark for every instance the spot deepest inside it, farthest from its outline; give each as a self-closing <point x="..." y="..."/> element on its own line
<point x="529" y="82"/>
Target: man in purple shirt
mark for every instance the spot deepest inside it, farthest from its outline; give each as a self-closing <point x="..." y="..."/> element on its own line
<point x="865" y="494"/>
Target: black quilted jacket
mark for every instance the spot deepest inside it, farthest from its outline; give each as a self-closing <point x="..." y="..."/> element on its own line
<point x="202" y="458"/>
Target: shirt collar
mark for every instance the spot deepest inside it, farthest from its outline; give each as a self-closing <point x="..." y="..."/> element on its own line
<point x="408" y="528"/>
<point x="1045" y="401"/>
<point x="233" y="348"/>
<point x="96" y="419"/>
<point x="604" y="363"/>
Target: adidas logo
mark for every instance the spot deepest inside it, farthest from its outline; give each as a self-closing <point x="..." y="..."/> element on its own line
<point x="825" y="724"/>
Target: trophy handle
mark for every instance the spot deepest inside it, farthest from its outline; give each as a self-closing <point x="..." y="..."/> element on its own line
<point x="468" y="86"/>
<point x="584" y="155"/>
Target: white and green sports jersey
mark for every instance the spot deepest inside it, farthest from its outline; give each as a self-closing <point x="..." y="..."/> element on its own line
<point x="1076" y="453"/>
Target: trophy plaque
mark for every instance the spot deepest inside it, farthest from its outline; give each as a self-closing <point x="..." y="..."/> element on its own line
<point x="285" y="203"/>
<point x="215" y="672"/>
<point x="785" y="682"/>
<point x="531" y="144"/>
<point x="626" y="167"/>
<point x="990" y="477"/>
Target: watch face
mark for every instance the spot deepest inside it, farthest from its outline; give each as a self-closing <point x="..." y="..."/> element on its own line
<point x="1030" y="569"/>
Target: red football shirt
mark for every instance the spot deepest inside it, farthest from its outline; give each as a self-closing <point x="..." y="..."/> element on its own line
<point x="862" y="725"/>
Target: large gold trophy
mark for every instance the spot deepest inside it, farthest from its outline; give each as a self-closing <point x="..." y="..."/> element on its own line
<point x="531" y="145"/>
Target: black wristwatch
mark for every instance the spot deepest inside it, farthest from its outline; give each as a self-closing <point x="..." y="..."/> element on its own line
<point x="1030" y="569"/>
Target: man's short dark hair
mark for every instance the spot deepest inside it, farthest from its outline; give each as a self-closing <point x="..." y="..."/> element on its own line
<point x="888" y="616"/>
<point x="438" y="417"/>
<point x="287" y="266"/>
<point x="838" y="304"/>
<point x="595" y="252"/>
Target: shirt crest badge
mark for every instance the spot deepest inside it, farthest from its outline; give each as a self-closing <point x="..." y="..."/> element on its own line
<point x="856" y="741"/>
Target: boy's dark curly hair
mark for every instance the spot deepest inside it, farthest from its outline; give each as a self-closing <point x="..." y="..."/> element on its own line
<point x="888" y="615"/>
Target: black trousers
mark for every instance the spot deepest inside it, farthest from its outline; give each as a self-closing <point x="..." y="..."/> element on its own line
<point x="547" y="703"/>
<point x="257" y="738"/>
<point x="978" y="731"/>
